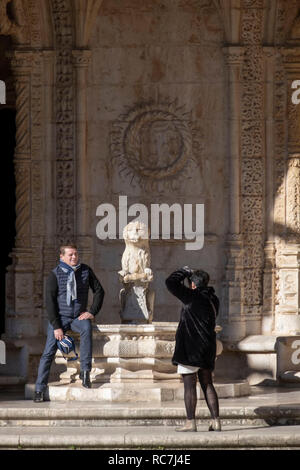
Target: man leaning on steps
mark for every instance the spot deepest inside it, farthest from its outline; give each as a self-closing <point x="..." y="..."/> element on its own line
<point x="66" y="303"/>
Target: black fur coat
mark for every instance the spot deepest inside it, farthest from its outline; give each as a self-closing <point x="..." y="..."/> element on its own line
<point x="195" y="336"/>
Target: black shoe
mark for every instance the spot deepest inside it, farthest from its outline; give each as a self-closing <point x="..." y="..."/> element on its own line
<point x="38" y="397"/>
<point x="85" y="377"/>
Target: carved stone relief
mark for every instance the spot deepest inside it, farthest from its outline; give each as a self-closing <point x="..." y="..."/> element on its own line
<point x="252" y="142"/>
<point x="293" y="197"/>
<point x="155" y="144"/>
<point x="65" y="179"/>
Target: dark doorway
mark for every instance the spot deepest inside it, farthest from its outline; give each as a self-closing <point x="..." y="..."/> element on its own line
<point x="7" y="191"/>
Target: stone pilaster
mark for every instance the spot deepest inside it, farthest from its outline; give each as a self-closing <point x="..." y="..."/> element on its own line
<point x="269" y="274"/>
<point x="81" y="61"/>
<point x="234" y="325"/>
<point x="288" y="259"/>
<point x="64" y="122"/>
<point x="19" y="280"/>
<point x="253" y="162"/>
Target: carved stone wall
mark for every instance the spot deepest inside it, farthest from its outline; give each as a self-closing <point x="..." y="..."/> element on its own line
<point x="24" y="279"/>
<point x="156" y="127"/>
<point x="185" y="101"/>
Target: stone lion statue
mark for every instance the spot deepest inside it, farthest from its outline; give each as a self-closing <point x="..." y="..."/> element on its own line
<point x="136" y="257"/>
<point x="137" y="300"/>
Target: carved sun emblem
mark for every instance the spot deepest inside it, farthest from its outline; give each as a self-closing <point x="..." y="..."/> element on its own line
<point x="154" y="144"/>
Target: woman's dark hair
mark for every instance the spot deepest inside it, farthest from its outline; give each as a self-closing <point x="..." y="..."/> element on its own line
<point x="199" y="278"/>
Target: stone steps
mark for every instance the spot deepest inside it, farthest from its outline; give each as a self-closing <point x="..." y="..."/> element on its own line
<point x="99" y="414"/>
<point x="269" y="418"/>
<point x="156" y="439"/>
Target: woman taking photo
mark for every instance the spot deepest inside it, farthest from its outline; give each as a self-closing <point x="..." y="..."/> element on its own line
<point x="195" y="347"/>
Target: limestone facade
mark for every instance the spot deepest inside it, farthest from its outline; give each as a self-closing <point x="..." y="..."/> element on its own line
<point x="164" y="101"/>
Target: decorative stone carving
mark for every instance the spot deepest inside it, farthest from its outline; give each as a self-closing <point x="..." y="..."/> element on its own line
<point x="155" y="143"/>
<point x="130" y="363"/>
<point x="7" y="26"/>
<point x="137" y="300"/>
<point x="232" y="297"/>
<point x="287" y="318"/>
<point x="253" y="176"/>
<point x="21" y="63"/>
<point x="252" y="138"/>
<point x="22" y="176"/>
<point x="65" y="221"/>
<point x="293" y="197"/>
<point x="252" y="23"/>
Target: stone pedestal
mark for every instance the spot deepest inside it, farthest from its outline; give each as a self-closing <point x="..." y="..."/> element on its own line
<point x="128" y="361"/>
<point x="288" y="359"/>
<point x="288" y="307"/>
<point x="131" y="363"/>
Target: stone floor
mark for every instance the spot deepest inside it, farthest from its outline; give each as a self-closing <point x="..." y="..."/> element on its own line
<point x="269" y="418"/>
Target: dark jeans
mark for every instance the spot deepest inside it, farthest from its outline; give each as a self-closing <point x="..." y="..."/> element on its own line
<point x="84" y="327"/>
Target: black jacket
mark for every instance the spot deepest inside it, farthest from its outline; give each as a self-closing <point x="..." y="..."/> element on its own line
<point x="52" y="300"/>
<point x="195" y="336"/>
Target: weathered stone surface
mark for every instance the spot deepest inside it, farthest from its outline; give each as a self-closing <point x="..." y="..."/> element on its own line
<point x="142" y="99"/>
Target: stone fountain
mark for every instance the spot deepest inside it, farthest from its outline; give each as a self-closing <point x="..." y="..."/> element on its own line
<point x="132" y="360"/>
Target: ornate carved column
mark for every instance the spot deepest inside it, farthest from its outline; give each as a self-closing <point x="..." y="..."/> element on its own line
<point x="81" y="61"/>
<point x="234" y="325"/>
<point x="20" y="286"/>
<point x="253" y="162"/>
<point x="64" y="123"/>
<point x="269" y="275"/>
<point x="21" y="63"/>
<point x="288" y="259"/>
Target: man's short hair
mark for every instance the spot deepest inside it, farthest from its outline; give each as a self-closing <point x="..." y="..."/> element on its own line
<point x="200" y="278"/>
<point x="63" y="247"/>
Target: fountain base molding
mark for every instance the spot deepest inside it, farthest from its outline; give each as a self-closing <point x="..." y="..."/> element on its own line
<point x="130" y="363"/>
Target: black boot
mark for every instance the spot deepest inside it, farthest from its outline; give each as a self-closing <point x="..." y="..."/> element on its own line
<point x="38" y="397"/>
<point x="85" y="377"/>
